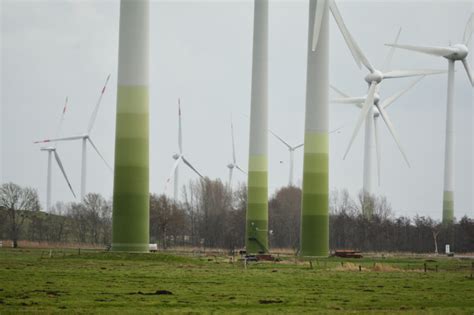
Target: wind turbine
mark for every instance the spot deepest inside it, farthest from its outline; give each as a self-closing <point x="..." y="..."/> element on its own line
<point x="53" y="151"/>
<point x="178" y="158"/>
<point x="452" y="53"/>
<point x="233" y="164"/>
<point x="372" y="129"/>
<point x="291" y="150"/>
<point x="85" y="138"/>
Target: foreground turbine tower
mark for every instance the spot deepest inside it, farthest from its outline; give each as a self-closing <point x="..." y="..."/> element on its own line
<point x="130" y="221"/>
<point x="256" y="232"/>
<point x="315" y="202"/>
<point x="452" y="53"/>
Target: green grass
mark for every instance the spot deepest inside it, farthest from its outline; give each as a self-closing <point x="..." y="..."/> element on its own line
<point x="31" y="281"/>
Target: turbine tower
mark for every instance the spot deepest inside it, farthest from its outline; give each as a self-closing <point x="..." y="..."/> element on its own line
<point x="315" y="194"/>
<point x="233" y="164"/>
<point x="453" y="53"/>
<point x="291" y="150"/>
<point x="85" y="138"/>
<point x="53" y="151"/>
<point x="178" y="158"/>
<point x="256" y="231"/>
<point x="130" y="220"/>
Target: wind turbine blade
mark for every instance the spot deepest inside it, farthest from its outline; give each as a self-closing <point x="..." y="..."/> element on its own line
<point x="335" y="89"/>
<point x="97" y="150"/>
<point x="430" y="50"/>
<point x="191" y="167"/>
<point x="238" y="167"/>
<point x="96" y="108"/>
<point x="377" y="147"/>
<point x="468" y="30"/>
<point x="60" y="139"/>
<point x="348" y="100"/>
<point x="233" y="143"/>
<point x="58" y="160"/>
<point x="173" y="169"/>
<point x="368" y="103"/>
<point x="392" y="131"/>
<point x="180" y="133"/>
<point x="282" y="141"/>
<point x="63" y="113"/>
<point x="356" y="52"/>
<point x="410" y="73"/>
<point x="318" y="19"/>
<point x="298" y="146"/>
<point x="388" y="59"/>
<point x="388" y="101"/>
<point x="468" y="70"/>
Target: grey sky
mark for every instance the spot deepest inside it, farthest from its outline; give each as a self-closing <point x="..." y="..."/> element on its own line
<point x="201" y="52"/>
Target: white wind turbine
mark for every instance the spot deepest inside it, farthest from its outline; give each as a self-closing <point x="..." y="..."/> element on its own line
<point x="233" y="164"/>
<point x="374" y="79"/>
<point x="53" y="151"/>
<point x="179" y="157"/>
<point x="452" y="53"/>
<point x="372" y="129"/>
<point x="291" y="150"/>
<point x="85" y="138"/>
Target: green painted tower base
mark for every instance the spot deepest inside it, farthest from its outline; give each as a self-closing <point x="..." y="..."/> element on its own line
<point x="256" y="232"/>
<point x="315" y="199"/>
<point x="130" y="226"/>
<point x="448" y="207"/>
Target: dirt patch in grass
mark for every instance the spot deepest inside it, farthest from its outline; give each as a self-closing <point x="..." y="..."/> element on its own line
<point x="157" y="292"/>
<point x="270" y="301"/>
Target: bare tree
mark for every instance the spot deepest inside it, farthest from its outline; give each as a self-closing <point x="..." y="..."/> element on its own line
<point x="18" y="202"/>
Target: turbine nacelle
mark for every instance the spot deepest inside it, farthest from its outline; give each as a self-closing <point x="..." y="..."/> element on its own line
<point x="176" y="156"/>
<point x="375" y="76"/>
<point x="461" y="52"/>
<point x="49" y="149"/>
<point x="231" y="166"/>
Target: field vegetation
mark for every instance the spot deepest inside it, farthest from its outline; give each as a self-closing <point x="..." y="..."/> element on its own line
<point x="91" y="281"/>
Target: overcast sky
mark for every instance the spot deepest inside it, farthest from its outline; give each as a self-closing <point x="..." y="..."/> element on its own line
<point x="201" y="52"/>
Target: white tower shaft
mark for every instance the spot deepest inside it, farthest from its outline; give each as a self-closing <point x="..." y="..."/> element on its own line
<point x="176" y="184"/>
<point x="49" y="182"/>
<point x="369" y="149"/>
<point x="292" y="155"/>
<point x="448" y="194"/>
<point x="83" y="168"/>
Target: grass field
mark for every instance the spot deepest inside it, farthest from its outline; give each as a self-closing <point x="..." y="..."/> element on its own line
<point x="32" y="281"/>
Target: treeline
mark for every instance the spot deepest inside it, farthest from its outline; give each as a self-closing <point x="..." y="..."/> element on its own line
<point x="212" y="216"/>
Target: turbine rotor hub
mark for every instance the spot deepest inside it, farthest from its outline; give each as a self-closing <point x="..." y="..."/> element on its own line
<point x="376" y="99"/>
<point x="376" y="112"/>
<point x="175" y="156"/>
<point x="376" y="76"/>
<point x="462" y="52"/>
<point x="231" y="166"/>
